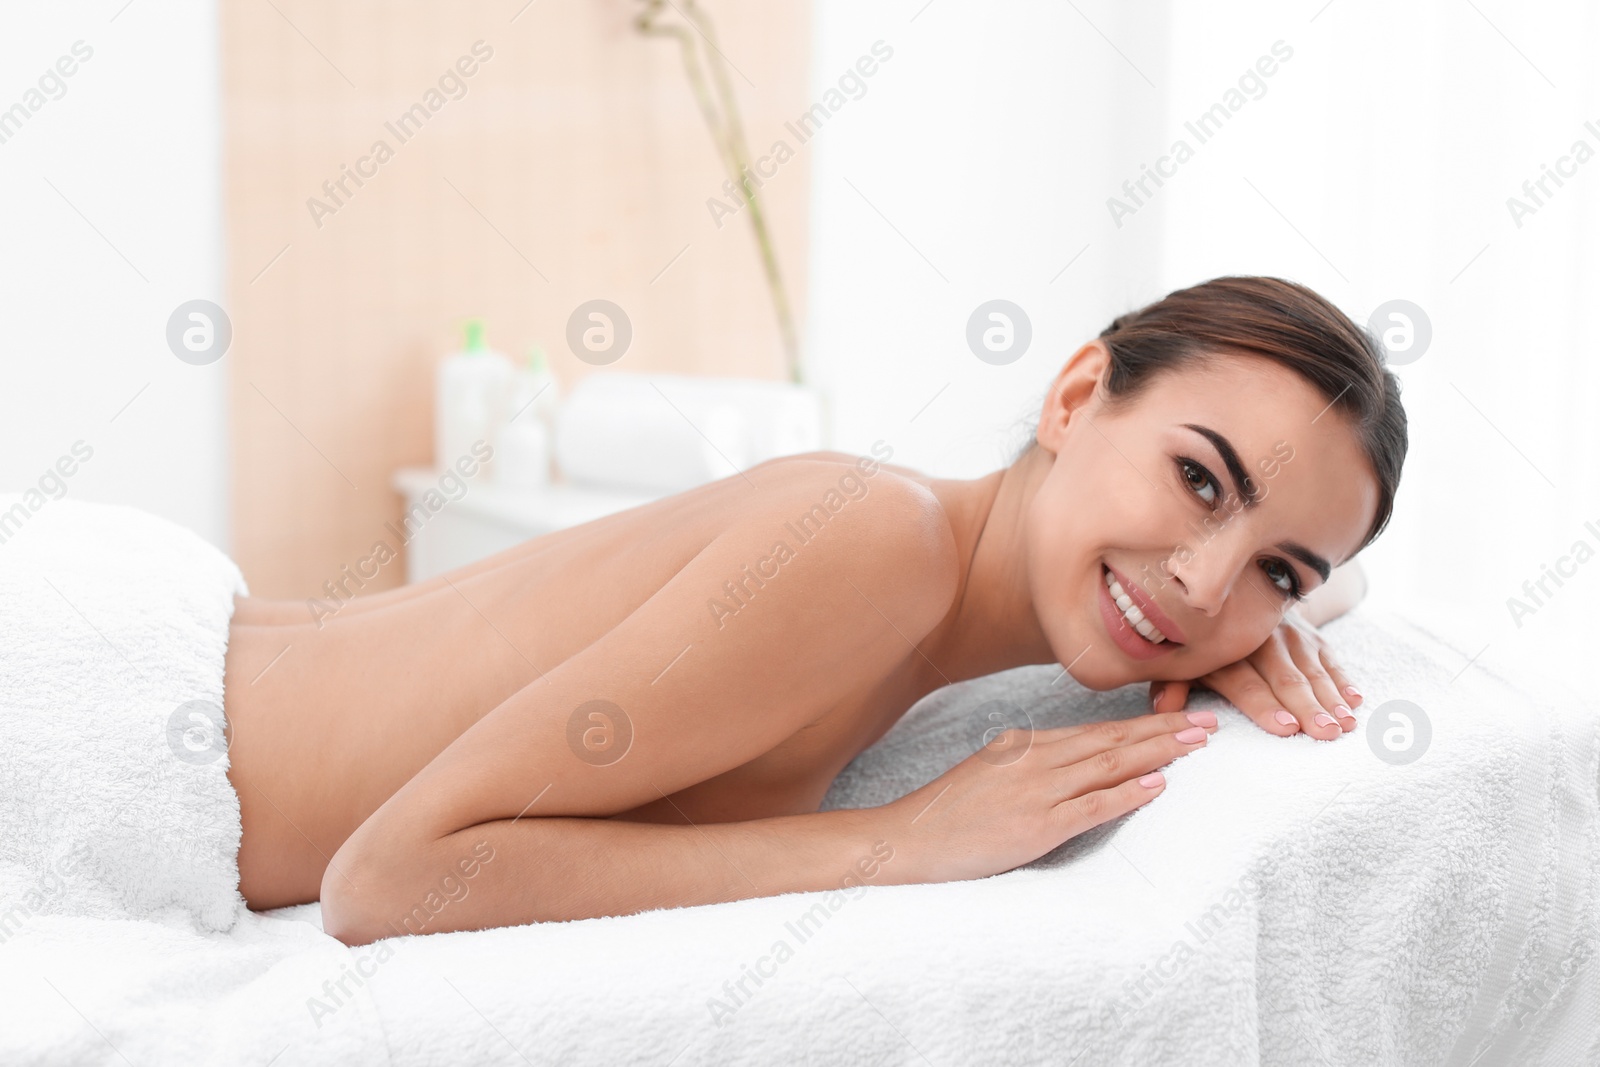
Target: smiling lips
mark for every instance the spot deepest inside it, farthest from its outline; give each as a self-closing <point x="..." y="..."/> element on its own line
<point x="1138" y="626"/>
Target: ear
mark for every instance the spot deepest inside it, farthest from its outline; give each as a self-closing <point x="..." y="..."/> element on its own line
<point x="1074" y="387"/>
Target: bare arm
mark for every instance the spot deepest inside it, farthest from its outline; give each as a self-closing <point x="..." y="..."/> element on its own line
<point x="1005" y="805"/>
<point x="1342" y="591"/>
<point x="586" y="868"/>
<point x="681" y="693"/>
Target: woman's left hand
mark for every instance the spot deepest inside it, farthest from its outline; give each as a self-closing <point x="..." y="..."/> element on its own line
<point x="1290" y="684"/>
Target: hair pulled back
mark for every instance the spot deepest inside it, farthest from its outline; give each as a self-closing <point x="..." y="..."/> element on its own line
<point x="1288" y="324"/>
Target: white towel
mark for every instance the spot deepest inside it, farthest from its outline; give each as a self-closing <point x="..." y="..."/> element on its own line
<point x="1284" y="901"/>
<point x="133" y="991"/>
<point x="114" y="800"/>
<point x="662" y="433"/>
<point x="1319" y="902"/>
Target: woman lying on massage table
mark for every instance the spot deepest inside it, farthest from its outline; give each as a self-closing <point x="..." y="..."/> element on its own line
<point x="647" y="710"/>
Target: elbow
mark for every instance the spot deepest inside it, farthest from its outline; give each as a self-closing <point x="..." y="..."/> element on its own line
<point x="359" y="892"/>
<point x="379" y="886"/>
<point x="354" y="904"/>
<point x="351" y="927"/>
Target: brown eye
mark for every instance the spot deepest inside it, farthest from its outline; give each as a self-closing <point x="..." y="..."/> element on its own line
<point x="1279" y="574"/>
<point x="1199" y="481"/>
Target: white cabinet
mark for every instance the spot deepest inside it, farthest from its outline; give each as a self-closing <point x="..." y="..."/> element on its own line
<point x="487" y="518"/>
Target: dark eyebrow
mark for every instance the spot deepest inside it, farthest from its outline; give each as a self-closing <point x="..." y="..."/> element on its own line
<point x="1241" y="481"/>
<point x="1308" y="557"/>
<point x="1247" y="490"/>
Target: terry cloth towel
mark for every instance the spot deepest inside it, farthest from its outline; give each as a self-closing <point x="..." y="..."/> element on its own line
<point x="1423" y="890"/>
<point x="1284" y="903"/>
<point x="114" y="797"/>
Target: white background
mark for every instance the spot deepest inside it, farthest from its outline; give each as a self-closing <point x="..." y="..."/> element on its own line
<point x="133" y="152"/>
<point x="1376" y="166"/>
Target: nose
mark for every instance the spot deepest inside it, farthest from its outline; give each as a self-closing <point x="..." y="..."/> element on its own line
<point x="1205" y="574"/>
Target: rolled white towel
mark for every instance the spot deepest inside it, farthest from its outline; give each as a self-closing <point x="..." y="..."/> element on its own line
<point x="114" y="796"/>
<point x="670" y="432"/>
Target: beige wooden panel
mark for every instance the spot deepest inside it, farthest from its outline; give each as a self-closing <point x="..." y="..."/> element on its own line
<point x="576" y="165"/>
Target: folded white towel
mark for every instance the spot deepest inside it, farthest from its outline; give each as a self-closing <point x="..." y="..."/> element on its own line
<point x="114" y="797"/>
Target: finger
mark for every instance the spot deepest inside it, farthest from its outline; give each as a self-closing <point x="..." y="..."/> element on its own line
<point x="1308" y="658"/>
<point x="1111" y="766"/>
<point x="1349" y="693"/>
<point x="1248" y="691"/>
<point x="1072" y="743"/>
<point x="1169" y="696"/>
<point x="1293" y="690"/>
<point x="1081" y="813"/>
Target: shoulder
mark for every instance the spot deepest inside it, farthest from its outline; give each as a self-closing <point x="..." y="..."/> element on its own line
<point x="893" y="499"/>
<point x="888" y="528"/>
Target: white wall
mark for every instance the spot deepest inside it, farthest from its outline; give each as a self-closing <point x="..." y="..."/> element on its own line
<point x="986" y="143"/>
<point x="1376" y="165"/>
<point x="1391" y="143"/>
<point x="132" y="150"/>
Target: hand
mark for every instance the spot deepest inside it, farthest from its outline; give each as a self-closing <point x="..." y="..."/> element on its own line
<point x="1025" y="792"/>
<point x="1292" y="675"/>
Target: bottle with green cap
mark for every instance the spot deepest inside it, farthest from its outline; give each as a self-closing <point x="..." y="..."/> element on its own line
<point x="470" y="405"/>
<point x="523" y="447"/>
<point x="534" y="381"/>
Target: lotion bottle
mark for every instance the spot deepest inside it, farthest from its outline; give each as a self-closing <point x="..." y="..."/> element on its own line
<point x="470" y="404"/>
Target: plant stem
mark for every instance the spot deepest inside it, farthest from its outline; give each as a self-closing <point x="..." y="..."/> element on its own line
<point x="727" y="134"/>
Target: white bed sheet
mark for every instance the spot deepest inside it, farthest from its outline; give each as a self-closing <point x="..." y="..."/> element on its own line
<point x="1284" y="902"/>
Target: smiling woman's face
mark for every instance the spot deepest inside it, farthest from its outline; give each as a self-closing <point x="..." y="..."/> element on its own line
<point x="1152" y="492"/>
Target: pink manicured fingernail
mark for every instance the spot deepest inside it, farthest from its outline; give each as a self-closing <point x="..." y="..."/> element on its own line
<point x="1151" y="780"/>
<point x="1191" y="735"/>
<point x="1284" y="717"/>
<point x="1323" y="719"/>
<point x="1202" y="718"/>
<point x="1343" y="712"/>
<point x="1352" y="692"/>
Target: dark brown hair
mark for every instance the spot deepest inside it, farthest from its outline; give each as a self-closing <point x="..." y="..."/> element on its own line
<point x="1286" y="323"/>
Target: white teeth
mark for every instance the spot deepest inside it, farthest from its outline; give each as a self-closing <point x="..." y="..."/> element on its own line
<point x="1132" y="614"/>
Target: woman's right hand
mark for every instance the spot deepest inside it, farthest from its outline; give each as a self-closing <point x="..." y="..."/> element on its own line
<point x="1027" y="791"/>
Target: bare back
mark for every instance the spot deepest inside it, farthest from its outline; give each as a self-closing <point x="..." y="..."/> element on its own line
<point x="329" y="721"/>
